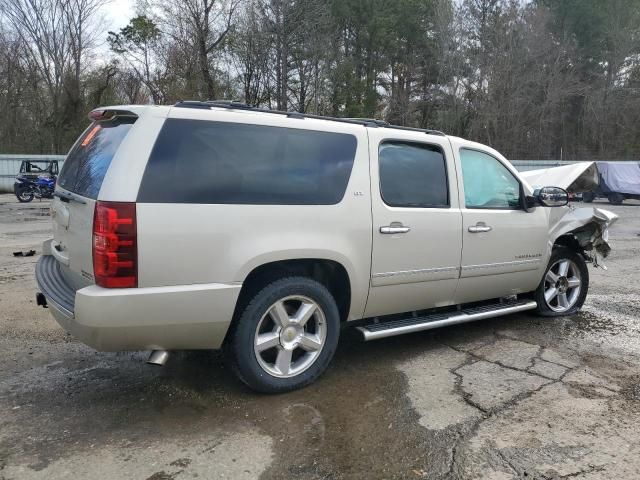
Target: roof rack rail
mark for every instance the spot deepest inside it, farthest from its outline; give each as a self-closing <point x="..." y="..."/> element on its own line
<point x="233" y="105"/>
<point x="428" y="131"/>
<point x="380" y="123"/>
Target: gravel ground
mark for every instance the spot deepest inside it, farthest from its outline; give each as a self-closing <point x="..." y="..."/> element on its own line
<point x="514" y="397"/>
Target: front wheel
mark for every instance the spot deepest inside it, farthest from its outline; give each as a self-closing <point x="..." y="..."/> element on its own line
<point x="564" y="287"/>
<point x="286" y="335"/>
<point x="588" y="197"/>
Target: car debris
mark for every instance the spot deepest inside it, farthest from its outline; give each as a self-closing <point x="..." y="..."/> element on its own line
<point x="590" y="227"/>
<point x="28" y="253"/>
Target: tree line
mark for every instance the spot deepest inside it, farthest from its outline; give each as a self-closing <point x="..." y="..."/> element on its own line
<point x="534" y="79"/>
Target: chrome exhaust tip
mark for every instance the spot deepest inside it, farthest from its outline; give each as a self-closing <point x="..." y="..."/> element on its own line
<point x="158" y="357"/>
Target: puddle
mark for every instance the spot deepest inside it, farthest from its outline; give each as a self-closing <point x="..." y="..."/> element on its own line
<point x="354" y="422"/>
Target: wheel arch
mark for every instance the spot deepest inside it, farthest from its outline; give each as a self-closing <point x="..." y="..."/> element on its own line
<point x="328" y="272"/>
<point x="570" y="241"/>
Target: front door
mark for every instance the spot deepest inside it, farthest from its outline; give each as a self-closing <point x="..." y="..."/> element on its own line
<point x="505" y="247"/>
<point x="417" y="238"/>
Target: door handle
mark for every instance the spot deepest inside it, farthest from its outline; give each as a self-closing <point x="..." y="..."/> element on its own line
<point x="480" y="227"/>
<point x="391" y="229"/>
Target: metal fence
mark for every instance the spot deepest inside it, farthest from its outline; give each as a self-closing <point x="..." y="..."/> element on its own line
<point x="524" y="165"/>
<point x="10" y="167"/>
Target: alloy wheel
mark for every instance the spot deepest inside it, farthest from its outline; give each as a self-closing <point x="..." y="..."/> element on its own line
<point x="562" y="285"/>
<point x="290" y="336"/>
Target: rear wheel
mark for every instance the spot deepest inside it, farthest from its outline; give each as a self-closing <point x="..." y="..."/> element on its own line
<point x="564" y="287"/>
<point x="615" y="198"/>
<point x="286" y="335"/>
<point x="24" y="195"/>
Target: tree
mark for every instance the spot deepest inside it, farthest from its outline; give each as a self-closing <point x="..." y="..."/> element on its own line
<point x="200" y="27"/>
<point x="136" y="44"/>
<point x="56" y="36"/>
<point x="533" y="78"/>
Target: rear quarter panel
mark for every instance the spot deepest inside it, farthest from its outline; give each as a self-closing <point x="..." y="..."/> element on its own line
<point x="183" y="244"/>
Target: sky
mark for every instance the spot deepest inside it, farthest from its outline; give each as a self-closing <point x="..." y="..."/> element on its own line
<point x="115" y="15"/>
<point x="118" y="13"/>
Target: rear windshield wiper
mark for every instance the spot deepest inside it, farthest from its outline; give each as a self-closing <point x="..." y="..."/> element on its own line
<point x="68" y="197"/>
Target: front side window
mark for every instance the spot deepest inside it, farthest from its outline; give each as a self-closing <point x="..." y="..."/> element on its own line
<point x="413" y="175"/>
<point x="196" y="161"/>
<point x="487" y="182"/>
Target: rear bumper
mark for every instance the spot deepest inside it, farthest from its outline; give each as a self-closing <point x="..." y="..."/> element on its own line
<point x="179" y="317"/>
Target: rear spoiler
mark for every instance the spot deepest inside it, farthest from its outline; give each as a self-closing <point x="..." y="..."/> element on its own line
<point x="109" y="113"/>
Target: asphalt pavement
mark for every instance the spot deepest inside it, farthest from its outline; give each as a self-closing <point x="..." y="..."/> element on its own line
<point x="513" y="397"/>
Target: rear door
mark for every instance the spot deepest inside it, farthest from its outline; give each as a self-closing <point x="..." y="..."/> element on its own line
<point x="417" y="238"/>
<point x="76" y="192"/>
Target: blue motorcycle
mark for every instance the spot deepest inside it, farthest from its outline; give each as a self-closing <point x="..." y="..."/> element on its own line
<point x="27" y="188"/>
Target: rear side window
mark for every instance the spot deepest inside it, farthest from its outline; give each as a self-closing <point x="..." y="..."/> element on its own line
<point x="88" y="162"/>
<point x="195" y="161"/>
<point x="413" y="175"/>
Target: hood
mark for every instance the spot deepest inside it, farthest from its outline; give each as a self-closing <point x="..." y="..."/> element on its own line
<point x="577" y="177"/>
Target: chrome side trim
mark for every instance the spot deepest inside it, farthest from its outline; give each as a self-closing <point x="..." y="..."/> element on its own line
<point x="414" y="272"/>
<point x="456" y="318"/>
<point x="414" y="276"/>
<point x="500" y="264"/>
<point x="498" y="268"/>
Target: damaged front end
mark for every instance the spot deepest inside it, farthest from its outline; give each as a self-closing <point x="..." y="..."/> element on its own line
<point x="586" y="227"/>
<point x="589" y="227"/>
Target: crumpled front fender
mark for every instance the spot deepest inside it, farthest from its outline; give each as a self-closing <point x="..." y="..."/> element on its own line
<point x="588" y="225"/>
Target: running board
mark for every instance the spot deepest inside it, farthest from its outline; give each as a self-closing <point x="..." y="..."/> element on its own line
<point x="391" y="328"/>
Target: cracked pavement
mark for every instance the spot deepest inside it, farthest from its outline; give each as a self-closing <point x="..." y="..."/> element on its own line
<point x="509" y="398"/>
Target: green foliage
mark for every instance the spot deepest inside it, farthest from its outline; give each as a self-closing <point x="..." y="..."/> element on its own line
<point x="598" y="28"/>
<point x="533" y="78"/>
<point x="140" y="32"/>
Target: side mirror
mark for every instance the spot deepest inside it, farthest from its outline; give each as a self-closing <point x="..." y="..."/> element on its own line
<point x="551" y="196"/>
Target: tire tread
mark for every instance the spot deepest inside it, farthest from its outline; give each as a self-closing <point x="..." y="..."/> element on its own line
<point x="556" y="254"/>
<point x="234" y="347"/>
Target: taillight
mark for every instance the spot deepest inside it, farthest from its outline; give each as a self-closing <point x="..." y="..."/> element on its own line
<point x="115" y="249"/>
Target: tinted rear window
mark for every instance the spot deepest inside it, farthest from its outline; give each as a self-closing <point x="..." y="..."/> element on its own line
<point x="88" y="162"/>
<point x="195" y="161"/>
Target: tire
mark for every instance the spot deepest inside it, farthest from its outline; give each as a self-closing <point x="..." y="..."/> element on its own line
<point x="549" y="295"/>
<point x="615" y="198"/>
<point x="588" y="197"/>
<point x="24" y="196"/>
<point x="312" y="343"/>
